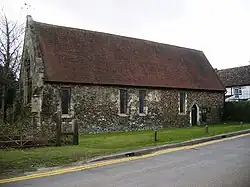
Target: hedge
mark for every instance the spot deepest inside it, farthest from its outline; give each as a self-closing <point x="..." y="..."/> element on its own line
<point x="237" y="111"/>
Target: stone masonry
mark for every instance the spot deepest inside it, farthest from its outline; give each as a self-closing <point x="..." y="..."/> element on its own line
<point x="96" y="108"/>
<point x="32" y="70"/>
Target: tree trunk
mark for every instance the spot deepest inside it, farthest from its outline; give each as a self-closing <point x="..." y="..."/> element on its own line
<point x="5" y="112"/>
<point x="3" y="102"/>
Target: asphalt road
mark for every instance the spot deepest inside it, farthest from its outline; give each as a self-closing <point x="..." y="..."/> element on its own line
<point x="220" y="164"/>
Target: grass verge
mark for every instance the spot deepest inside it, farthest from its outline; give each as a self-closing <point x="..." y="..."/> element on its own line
<point x="13" y="161"/>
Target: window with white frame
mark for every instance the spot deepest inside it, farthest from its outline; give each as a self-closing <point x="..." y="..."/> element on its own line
<point x="237" y="91"/>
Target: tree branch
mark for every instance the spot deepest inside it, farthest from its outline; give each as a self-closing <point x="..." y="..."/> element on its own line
<point x="12" y="29"/>
<point x="10" y="45"/>
<point x="17" y="48"/>
<point x="2" y="45"/>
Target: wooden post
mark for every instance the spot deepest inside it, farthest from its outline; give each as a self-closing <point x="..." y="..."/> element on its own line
<point x="13" y="112"/>
<point x="206" y="131"/>
<point x="75" y="132"/>
<point x="155" y="135"/>
<point x="58" y="128"/>
<point x="21" y="138"/>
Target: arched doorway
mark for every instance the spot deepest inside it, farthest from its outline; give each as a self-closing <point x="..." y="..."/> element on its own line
<point x="194" y="115"/>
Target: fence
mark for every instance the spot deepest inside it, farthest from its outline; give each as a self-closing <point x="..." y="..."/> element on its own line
<point x="63" y="137"/>
<point x="26" y="133"/>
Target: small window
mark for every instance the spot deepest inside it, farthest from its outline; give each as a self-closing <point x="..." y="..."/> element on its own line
<point x="29" y="90"/>
<point x="182" y="102"/>
<point x="29" y="82"/>
<point x="65" y="100"/>
<point x="142" y="94"/>
<point x="123" y="101"/>
<point x="204" y="114"/>
<point x="237" y="91"/>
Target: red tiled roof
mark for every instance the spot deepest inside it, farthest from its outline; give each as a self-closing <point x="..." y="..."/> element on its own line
<point x="81" y="56"/>
<point x="238" y="76"/>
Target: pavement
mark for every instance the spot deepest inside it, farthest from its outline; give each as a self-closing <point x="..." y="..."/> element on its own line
<point x="219" y="163"/>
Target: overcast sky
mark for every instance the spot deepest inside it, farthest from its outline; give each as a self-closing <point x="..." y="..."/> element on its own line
<point x="220" y="28"/>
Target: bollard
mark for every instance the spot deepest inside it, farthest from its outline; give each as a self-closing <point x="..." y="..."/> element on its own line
<point x="155" y="135"/>
<point x="206" y="129"/>
<point x="58" y="128"/>
<point x="75" y="133"/>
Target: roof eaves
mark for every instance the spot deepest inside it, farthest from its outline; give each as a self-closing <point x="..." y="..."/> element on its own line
<point x="126" y="85"/>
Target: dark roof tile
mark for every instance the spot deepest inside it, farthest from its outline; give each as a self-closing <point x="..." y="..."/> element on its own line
<point x="238" y="76"/>
<point x="81" y="56"/>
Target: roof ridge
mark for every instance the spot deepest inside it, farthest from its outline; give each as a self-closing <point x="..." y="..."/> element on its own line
<point x="234" y="67"/>
<point x="117" y="35"/>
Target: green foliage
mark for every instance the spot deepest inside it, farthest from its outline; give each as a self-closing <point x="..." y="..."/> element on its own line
<point x="237" y="111"/>
<point x="10" y="95"/>
<point x="91" y="145"/>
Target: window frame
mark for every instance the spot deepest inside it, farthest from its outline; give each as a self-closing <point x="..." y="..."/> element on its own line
<point x="184" y="105"/>
<point x="29" y="91"/>
<point x="239" y="91"/>
<point x="142" y="102"/>
<point x="28" y="82"/>
<point x="123" y="101"/>
<point x="68" y="89"/>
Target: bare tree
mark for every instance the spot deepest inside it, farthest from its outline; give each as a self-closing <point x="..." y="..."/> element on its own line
<point x="11" y="34"/>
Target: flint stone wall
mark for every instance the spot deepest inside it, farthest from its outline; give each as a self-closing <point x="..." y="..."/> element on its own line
<point x="96" y="108"/>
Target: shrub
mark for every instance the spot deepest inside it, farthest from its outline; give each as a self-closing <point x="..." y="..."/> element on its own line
<point x="237" y="111"/>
